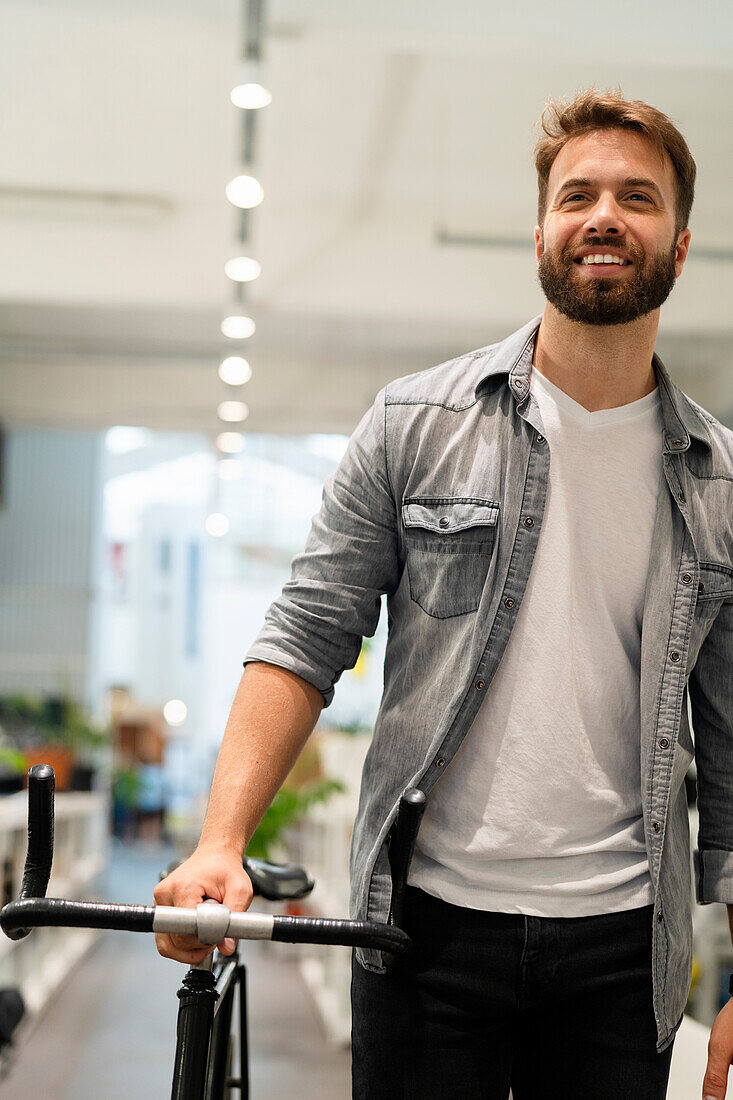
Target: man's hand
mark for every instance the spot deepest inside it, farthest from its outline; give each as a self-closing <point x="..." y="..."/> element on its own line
<point x="209" y="873"/>
<point x="720" y="1055"/>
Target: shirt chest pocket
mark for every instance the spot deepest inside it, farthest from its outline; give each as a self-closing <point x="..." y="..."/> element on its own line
<point x="449" y="543"/>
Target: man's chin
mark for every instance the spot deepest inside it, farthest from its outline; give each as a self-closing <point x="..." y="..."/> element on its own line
<point x="600" y="314"/>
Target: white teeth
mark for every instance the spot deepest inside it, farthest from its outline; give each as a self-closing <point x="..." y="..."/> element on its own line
<point x="603" y="259"/>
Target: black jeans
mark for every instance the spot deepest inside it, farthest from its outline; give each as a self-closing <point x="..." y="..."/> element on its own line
<point x="556" y="1008"/>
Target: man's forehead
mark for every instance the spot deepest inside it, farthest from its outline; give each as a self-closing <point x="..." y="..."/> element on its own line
<point x="621" y="153"/>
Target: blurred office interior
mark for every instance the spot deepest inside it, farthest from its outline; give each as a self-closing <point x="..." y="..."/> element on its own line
<point x="153" y="489"/>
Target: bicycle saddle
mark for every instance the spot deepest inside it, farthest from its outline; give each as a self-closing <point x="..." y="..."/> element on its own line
<point x="272" y="881"/>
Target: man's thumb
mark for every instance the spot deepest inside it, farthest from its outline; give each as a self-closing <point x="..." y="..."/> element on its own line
<point x="715" y="1079"/>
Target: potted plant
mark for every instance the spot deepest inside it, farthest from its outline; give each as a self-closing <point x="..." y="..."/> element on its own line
<point x="288" y="806"/>
<point x="51" y="731"/>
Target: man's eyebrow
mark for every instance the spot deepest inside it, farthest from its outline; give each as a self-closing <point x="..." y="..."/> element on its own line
<point x="630" y="181"/>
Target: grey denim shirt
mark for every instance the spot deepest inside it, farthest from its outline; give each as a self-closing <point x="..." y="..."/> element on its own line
<point x="438" y="502"/>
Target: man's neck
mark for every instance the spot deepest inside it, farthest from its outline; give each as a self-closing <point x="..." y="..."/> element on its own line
<point x="599" y="366"/>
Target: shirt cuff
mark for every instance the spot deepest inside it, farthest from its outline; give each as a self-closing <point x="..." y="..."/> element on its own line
<point x="713" y="875"/>
<point x="271" y="655"/>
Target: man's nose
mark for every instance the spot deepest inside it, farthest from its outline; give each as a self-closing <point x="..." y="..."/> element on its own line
<point x="604" y="219"/>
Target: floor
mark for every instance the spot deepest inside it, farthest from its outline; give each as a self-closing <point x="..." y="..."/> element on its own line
<point x="110" y="1033"/>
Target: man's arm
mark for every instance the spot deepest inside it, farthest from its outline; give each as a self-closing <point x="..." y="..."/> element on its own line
<point x="273" y="714"/>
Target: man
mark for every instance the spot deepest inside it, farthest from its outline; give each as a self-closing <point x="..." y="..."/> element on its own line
<point x="552" y="521"/>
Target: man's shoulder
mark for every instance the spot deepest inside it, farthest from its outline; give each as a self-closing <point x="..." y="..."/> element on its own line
<point x="451" y="384"/>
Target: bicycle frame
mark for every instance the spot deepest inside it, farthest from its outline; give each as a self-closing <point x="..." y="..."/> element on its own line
<point x="205" y="1015"/>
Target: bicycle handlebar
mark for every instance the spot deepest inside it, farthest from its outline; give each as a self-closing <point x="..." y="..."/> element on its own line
<point x="210" y="921"/>
<point x="38" y="860"/>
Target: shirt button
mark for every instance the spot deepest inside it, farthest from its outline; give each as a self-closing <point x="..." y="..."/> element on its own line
<point x="440" y="762"/>
<point x="540" y="439"/>
<point x="701" y="587"/>
<point x="509" y="602"/>
<point x="480" y="685"/>
<point x="675" y="656"/>
<point x="659" y="918"/>
<point x="443" y="522"/>
<point x="529" y="522"/>
<point x="686" y="578"/>
<point x="656" y="826"/>
<point x="663" y="742"/>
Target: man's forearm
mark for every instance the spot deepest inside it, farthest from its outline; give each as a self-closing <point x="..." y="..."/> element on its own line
<point x="272" y="716"/>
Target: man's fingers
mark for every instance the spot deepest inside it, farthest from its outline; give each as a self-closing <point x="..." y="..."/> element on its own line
<point x="222" y="880"/>
<point x="181" y="953"/>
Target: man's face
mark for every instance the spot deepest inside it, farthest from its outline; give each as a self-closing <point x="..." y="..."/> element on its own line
<point x="609" y="194"/>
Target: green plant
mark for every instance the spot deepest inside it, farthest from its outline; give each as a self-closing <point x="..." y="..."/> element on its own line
<point x="29" y="720"/>
<point x="11" y="760"/>
<point x="287" y="807"/>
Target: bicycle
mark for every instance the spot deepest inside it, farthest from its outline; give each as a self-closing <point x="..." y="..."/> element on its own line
<point x="208" y="1031"/>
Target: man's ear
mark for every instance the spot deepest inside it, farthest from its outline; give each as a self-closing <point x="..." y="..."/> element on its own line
<point x="682" y="248"/>
<point x="538" y="242"/>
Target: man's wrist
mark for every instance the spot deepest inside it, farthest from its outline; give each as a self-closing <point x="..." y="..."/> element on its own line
<point x="221" y="845"/>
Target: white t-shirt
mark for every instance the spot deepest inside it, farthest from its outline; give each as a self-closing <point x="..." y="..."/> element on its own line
<point x="540" y="810"/>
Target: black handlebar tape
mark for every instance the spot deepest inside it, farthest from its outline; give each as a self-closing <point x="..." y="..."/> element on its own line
<point x="402" y="844"/>
<point x="21" y="916"/>
<point x="38" y="860"/>
<point x="346" y="933"/>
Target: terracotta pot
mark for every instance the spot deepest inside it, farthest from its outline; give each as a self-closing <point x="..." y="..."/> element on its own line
<point x="61" y="760"/>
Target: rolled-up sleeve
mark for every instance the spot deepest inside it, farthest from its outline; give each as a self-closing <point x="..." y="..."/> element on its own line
<point x="711" y="699"/>
<point x="332" y="600"/>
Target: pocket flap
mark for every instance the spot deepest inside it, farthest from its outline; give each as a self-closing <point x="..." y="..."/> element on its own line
<point x="448" y="515"/>
<point x="716" y="581"/>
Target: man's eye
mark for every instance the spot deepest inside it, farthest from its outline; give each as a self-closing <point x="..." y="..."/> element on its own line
<point x="639" y="195"/>
<point x="576" y="196"/>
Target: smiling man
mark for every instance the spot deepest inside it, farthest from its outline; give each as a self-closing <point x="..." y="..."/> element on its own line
<point x="551" y="518"/>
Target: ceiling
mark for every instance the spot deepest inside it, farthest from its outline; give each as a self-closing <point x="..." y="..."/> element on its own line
<point x="396" y="230"/>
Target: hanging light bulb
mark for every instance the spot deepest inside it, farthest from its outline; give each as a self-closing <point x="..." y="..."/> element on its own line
<point x="242" y="269"/>
<point x="230" y="443"/>
<point x="245" y="192"/>
<point x="250" y="92"/>
<point x="234" y="370"/>
<point x="175" y="712"/>
<point x="233" y="411"/>
<point x="217" y="524"/>
<point x="251" y="96"/>
<point x="237" y="327"/>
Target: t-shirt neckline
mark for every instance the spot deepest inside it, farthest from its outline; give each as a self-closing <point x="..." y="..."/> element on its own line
<point x="619" y="414"/>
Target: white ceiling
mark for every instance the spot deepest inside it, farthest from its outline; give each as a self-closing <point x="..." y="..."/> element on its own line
<point x="395" y="127"/>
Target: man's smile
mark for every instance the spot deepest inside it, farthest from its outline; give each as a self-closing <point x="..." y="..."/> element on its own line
<point x="602" y="261"/>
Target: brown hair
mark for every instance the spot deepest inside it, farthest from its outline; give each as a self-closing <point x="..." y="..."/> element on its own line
<point x="594" y="110"/>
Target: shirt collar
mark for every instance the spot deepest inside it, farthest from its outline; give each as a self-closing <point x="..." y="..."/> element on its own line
<point x="512" y="360"/>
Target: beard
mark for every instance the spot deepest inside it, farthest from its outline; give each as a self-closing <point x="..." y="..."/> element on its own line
<point x="605" y="301"/>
